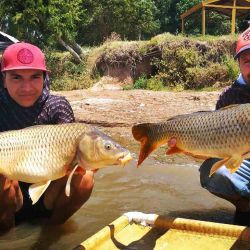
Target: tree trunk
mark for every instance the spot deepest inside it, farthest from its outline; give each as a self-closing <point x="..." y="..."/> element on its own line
<point x="72" y="51"/>
<point x="77" y="48"/>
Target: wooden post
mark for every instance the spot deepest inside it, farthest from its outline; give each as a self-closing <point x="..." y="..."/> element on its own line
<point x="182" y="25"/>
<point x="203" y="30"/>
<point x="233" y="17"/>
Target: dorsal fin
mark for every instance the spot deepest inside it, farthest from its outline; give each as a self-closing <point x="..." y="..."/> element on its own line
<point x="229" y="106"/>
<point x="191" y="114"/>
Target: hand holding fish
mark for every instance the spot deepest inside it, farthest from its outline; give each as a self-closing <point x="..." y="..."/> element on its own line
<point x="11" y="200"/>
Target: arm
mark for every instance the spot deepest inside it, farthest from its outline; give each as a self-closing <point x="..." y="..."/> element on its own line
<point x="11" y="200"/>
<point x="227" y="97"/>
<point x="60" y="110"/>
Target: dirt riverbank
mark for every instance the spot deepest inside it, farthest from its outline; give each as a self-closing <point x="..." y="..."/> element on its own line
<point x="118" y="110"/>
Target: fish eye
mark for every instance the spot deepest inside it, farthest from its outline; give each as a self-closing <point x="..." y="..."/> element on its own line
<point x="108" y="146"/>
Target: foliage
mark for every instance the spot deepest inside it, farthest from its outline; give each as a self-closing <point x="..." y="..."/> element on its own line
<point x="132" y="19"/>
<point x="90" y="22"/>
<point x="141" y="83"/>
<point x="196" y="64"/>
<point x="144" y="83"/>
<point x="66" y="75"/>
<point x="231" y="66"/>
<point x="183" y="62"/>
<point x="41" y="22"/>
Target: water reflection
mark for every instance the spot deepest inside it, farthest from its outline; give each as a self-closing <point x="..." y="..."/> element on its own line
<point x="162" y="185"/>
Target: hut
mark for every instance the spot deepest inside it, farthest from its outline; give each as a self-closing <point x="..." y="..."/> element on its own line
<point x="231" y="8"/>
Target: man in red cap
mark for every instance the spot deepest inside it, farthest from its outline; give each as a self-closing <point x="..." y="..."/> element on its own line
<point x="233" y="187"/>
<point x="25" y="100"/>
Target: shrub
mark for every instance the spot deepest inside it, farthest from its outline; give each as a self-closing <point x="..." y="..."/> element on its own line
<point x="207" y="77"/>
<point x="155" y="84"/>
<point x="141" y="83"/>
<point x="65" y="74"/>
<point x="232" y="67"/>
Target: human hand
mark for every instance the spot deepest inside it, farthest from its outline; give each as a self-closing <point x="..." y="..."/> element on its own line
<point x="11" y="200"/>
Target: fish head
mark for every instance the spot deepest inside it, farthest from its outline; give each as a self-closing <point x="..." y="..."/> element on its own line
<point x="97" y="150"/>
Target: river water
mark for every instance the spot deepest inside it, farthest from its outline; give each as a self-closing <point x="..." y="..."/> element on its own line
<point x="165" y="185"/>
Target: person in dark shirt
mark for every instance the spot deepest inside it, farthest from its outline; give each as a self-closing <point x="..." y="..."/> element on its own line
<point x="233" y="187"/>
<point x="25" y="100"/>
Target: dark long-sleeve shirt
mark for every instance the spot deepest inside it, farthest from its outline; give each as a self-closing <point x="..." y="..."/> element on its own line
<point x="235" y="94"/>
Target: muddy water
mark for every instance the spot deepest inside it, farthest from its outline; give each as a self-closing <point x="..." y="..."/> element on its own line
<point x="162" y="185"/>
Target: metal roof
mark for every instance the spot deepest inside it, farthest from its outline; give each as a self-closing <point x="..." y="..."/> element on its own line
<point x="6" y="40"/>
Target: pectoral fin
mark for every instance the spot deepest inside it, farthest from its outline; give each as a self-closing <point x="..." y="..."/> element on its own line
<point x="67" y="188"/>
<point x="216" y="166"/>
<point x="234" y="163"/>
<point x="174" y="150"/>
<point x="231" y="163"/>
<point x="36" y="190"/>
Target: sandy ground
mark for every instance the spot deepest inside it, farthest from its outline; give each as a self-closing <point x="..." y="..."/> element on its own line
<point x="118" y="110"/>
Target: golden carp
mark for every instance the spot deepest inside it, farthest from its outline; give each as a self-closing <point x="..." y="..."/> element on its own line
<point x="223" y="134"/>
<point x="43" y="153"/>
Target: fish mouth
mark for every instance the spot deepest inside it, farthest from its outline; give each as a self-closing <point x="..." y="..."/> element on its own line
<point x="125" y="159"/>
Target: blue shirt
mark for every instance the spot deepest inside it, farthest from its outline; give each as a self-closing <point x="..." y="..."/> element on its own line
<point x="241" y="80"/>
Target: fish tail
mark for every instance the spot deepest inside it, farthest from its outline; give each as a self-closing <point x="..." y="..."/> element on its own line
<point x="143" y="133"/>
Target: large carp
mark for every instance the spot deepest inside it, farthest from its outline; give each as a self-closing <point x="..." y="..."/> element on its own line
<point x="223" y="134"/>
<point x="43" y="153"/>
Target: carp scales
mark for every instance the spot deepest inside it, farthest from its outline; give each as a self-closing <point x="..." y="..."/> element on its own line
<point x="43" y="153"/>
<point x="223" y="133"/>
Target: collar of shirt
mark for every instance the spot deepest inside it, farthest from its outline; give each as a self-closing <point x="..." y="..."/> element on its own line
<point x="241" y="80"/>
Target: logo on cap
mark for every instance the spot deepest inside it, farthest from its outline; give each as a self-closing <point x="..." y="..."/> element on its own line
<point x="25" y="56"/>
<point x="246" y="35"/>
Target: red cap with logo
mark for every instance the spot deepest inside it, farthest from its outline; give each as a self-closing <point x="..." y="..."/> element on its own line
<point x="23" y="56"/>
<point x="243" y="42"/>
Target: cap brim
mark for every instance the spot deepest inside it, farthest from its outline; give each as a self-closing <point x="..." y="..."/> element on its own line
<point x="241" y="50"/>
<point x="24" y="67"/>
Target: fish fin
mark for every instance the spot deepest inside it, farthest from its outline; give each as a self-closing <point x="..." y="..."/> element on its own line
<point x="146" y="149"/>
<point x="188" y="115"/>
<point x="36" y="190"/>
<point x="141" y="133"/>
<point x="234" y="163"/>
<point x="67" y="188"/>
<point x="174" y="150"/>
<point x="216" y="166"/>
<point x="229" y="106"/>
<point x="246" y="155"/>
<point x="231" y="163"/>
<point x="201" y="157"/>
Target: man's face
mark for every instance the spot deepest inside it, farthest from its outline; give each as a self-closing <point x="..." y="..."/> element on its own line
<point x="244" y="63"/>
<point x="24" y="85"/>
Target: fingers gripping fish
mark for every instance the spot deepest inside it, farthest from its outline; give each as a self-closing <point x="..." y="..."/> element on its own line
<point x="43" y="153"/>
<point x="223" y="134"/>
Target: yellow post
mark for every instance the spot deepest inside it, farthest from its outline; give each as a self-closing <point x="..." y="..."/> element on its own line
<point x="233" y="17"/>
<point x="203" y="21"/>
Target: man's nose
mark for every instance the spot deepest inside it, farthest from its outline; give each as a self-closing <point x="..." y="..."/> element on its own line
<point x="27" y="85"/>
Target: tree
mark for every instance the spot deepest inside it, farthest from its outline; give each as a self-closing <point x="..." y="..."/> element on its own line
<point x="131" y="19"/>
<point x="44" y="22"/>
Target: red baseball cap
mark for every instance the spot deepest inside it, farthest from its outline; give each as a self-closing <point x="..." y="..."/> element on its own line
<point x="23" y="56"/>
<point x="243" y="42"/>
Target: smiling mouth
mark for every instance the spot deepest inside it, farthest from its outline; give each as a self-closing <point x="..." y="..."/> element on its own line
<point x="27" y="96"/>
